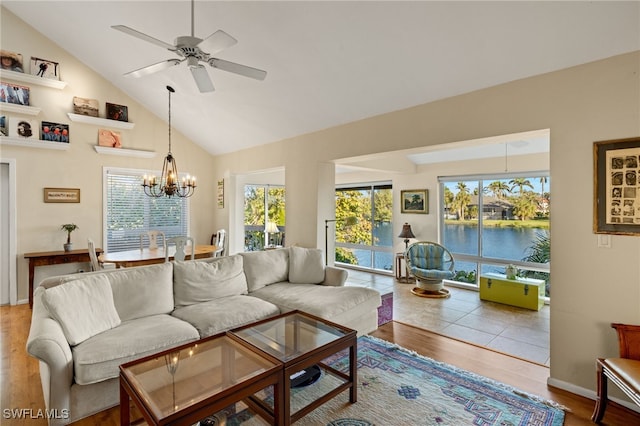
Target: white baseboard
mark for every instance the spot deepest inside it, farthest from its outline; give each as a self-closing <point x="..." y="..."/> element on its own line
<point x="588" y="393"/>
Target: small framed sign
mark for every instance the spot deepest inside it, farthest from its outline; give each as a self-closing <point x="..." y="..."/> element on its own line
<point x="61" y="195"/>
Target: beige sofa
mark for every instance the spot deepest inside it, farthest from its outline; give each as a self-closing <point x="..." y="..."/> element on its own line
<point x="85" y="325"/>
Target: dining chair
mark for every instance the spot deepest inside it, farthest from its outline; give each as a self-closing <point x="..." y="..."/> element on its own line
<point x="96" y="265"/>
<point x="153" y="237"/>
<point x="221" y="240"/>
<point x="181" y="244"/>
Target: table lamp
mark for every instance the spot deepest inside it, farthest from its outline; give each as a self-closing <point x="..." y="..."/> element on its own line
<point x="406" y="233"/>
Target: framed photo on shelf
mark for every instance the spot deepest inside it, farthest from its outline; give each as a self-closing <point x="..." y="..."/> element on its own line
<point x="85" y="106"/>
<point x="45" y="68"/>
<point x="61" y="195"/>
<point x="414" y="201"/>
<point x="109" y="138"/>
<point x="4" y="128"/>
<point x="54" y="132"/>
<point x="11" y="61"/>
<point x="616" y="199"/>
<point x="22" y="128"/>
<point x="117" y="112"/>
<point x="14" y="94"/>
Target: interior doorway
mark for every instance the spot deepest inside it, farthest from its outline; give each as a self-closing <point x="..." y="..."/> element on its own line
<point x="8" y="280"/>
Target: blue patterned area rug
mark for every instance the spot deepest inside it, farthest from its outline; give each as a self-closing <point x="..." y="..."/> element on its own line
<point x="399" y="387"/>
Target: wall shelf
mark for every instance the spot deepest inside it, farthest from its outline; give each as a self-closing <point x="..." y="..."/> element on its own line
<point x="124" y="152"/>
<point x="33" y="143"/>
<point x="19" y="109"/>
<point x="32" y="79"/>
<point x="104" y="122"/>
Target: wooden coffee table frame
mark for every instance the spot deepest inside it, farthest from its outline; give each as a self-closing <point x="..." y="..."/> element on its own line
<point x="243" y="391"/>
<point x="315" y="357"/>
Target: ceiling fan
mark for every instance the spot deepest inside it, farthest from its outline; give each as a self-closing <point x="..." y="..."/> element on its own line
<point x="195" y="51"/>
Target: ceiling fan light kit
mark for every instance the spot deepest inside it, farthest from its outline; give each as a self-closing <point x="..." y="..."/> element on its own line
<point x="194" y="51"/>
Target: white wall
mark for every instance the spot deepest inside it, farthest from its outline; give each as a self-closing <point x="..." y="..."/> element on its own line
<point x="592" y="286"/>
<point x="38" y="223"/>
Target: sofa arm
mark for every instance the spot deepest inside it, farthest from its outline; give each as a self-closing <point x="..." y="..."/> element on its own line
<point x="334" y="277"/>
<point x="47" y="343"/>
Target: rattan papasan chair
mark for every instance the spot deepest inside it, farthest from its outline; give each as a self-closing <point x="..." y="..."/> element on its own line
<point x="430" y="263"/>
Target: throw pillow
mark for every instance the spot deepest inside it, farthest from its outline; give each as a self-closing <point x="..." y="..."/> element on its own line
<point x="305" y="266"/>
<point x="83" y="307"/>
<point x="202" y="281"/>
<point x="265" y="267"/>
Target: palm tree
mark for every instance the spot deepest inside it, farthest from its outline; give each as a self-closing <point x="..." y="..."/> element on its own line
<point x="499" y="189"/>
<point x="462" y="199"/>
<point x="543" y="180"/>
<point x="520" y="183"/>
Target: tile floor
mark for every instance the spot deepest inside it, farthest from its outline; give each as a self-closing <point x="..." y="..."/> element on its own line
<point x="516" y="331"/>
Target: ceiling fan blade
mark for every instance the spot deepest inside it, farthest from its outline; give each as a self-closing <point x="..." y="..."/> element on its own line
<point x="143" y="36"/>
<point x="202" y="79"/>
<point x="153" y="68"/>
<point x="238" y="69"/>
<point x="216" y="42"/>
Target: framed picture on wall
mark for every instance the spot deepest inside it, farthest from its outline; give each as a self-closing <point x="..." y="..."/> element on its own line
<point x="221" y="194"/>
<point x="22" y="128"/>
<point x="85" y="106"/>
<point x="414" y="201"/>
<point x="54" y="132"/>
<point x="4" y="128"/>
<point x="45" y="68"/>
<point x="616" y="199"/>
<point x="117" y="112"/>
<point x="14" y="94"/>
<point x="109" y="138"/>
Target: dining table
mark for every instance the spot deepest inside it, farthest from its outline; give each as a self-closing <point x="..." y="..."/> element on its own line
<point x="149" y="256"/>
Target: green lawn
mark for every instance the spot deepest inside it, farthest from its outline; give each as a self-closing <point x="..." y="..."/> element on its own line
<point x="538" y="223"/>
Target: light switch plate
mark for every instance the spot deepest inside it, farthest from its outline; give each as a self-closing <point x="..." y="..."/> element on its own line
<point x="604" y="240"/>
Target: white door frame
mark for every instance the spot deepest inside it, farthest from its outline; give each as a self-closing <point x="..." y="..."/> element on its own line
<point x="12" y="209"/>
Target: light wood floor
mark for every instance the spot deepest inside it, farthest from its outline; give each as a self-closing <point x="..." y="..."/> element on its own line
<point x="20" y="379"/>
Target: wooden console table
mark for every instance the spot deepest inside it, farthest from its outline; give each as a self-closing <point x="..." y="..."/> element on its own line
<point x="46" y="258"/>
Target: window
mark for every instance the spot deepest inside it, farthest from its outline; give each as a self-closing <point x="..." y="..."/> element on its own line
<point x="491" y="221"/>
<point x="367" y="243"/>
<point x="129" y="212"/>
<point x="264" y="216"/>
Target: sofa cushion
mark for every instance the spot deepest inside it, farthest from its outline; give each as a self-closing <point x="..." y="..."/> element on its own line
<point x="142" y="291"/>
<point x="225" y="313"/>
<point x="265" y="267"/>
<point x="83" y="307"/>
<point x="98" y="358"/>
<point x="202" y="281"/>
<point x="305" y="266"/>
<point x="324" y="301"/>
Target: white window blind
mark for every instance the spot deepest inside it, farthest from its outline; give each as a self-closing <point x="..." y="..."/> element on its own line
<point x="129" y="212"/>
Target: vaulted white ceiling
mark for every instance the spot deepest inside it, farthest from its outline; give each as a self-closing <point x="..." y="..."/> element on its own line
<point x="329" y="63"/>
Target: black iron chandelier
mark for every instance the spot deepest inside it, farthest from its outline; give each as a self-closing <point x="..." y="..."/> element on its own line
<point x="169" y="183"/>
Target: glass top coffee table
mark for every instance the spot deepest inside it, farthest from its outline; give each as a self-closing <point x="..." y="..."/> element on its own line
<point x="188" y="383"/>
<point x="301" y="341"/>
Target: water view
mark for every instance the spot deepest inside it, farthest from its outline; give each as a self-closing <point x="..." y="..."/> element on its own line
<point x="508" y="243"/>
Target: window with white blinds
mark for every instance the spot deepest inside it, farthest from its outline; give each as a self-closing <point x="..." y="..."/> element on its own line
<point x="129" y="212"/>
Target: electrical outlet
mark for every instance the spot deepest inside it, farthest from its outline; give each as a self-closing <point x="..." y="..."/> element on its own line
<point x="604" y="241"/>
